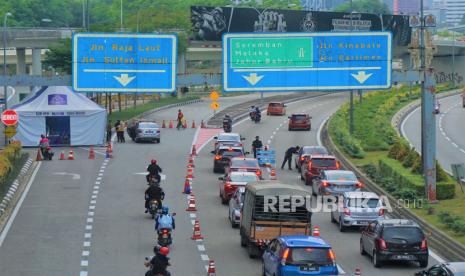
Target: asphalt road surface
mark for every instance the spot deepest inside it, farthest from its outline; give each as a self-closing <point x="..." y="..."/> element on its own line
<point x="450" y="144"/>
<point x="94" y="224"/>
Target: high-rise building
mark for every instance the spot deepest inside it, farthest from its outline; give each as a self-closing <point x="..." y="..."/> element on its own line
<point x="404" y="6"/>
<point x="455" y="9"/>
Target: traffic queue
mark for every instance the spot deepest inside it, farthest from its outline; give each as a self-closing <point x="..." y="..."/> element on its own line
<point x="284" y="238"/>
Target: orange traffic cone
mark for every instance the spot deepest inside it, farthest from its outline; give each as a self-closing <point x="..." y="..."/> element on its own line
<point x="193" y="124"/>
<point x="71" y="154"/>
<point x="191" y="207"/>
<point x="211" y="268"/>
<point x="171" y="124"/>
<point x="184" y="124"/>
<point x="191" y="162"/>
<point x="273" y="174"/>
<point x="358" y="272"/>
<point x="62" y="155"/>
<point x="202" y="124"/>
<point x="194" y="151"/>
<point x="316" y="231"/>
<point x="39" y="155"/>
<point x="187" y="187"/>
<point x="163" y="125"/>
<point x="196" y="233"/>
<point x="190" y="173"/>
<point x="91" y="153"/>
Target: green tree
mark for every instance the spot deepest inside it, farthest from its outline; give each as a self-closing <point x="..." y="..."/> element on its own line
<point x="365" y="6"/>
<point x="59" y="56"/>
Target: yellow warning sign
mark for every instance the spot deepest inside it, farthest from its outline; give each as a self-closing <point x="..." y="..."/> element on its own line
<point x="10" y="131"/>
<point x="214" y="105"/>
<point x="214" y="96"/>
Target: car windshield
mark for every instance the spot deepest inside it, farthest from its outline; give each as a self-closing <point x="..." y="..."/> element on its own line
<point x="229" y="137"/>
<point x="244" y="178"/>
<point x="247" y="163"/>
<point x="363" y="202"/>
<point x="342" y="176"/>
<point x="276" y="104"/>
<point x="309" y="255"/>
<point x="230" y="153"/>
<point x="148" y="125"/>
<point x="314" y="150"/>
<point x="403" y="233"/>
<point x="299" y="117"/>
<point x="324" y="162"/>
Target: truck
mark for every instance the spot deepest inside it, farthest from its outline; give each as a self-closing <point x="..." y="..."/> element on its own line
<point x="260" y="222"/>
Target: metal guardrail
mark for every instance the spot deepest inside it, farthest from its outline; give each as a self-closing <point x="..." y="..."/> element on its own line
<point x="437" y="239"/>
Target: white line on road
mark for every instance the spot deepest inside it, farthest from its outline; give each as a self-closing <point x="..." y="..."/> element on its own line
<point x="87" y="235"/>
<point x="86" y="244"/>
<point x="192" y="215"/>
<point x="318" y="133"/>
<point x="201" y="247"/>
<point x="340" y="270"/>
<point x="85" y="253"/>
<point x="84" y="263"/>
<point x="18" y="206"/>
<point x="436" y="257"/>
<point x="88" y="227"/>
<point x="83" y="273"/>
<point x="204" y="257"/>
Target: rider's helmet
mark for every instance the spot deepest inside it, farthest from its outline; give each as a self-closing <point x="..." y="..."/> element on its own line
<point x="164" y="251"/>
<point x="165" y="210"/>
<point x="153" y="162"/>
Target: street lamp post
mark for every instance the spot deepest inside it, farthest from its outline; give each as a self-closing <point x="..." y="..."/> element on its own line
<point x="5" y="87"/>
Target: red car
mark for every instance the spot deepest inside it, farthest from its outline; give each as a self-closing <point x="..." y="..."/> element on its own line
<point x="276" y="109"/>
<point x="234" y="180"/>
<point x="239" y="164"/>
<point x="315" y="164"/>
<point x="300" y="121"/>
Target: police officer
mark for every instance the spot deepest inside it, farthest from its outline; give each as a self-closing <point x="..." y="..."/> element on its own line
<point x="288" y="156"/>
<point x="256" y="144"/>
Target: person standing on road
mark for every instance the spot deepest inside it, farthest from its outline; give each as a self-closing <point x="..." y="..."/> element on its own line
<point x="288" y="156"/>
<point x="43" y="144"/>
<point x="117" y="124"/>
<point x="109" y="131"/>
<point x="120" y="132"/>
<point x="256" y="144"/>
<point x="180" y="119"/>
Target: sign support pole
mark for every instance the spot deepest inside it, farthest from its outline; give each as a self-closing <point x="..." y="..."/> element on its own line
<point x="351" y="112"/>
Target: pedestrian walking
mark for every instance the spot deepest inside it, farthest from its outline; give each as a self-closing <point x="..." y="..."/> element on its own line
<point x="109" y="131"/>
<point x="180" y="120"/>
<point x="288" y="156"/>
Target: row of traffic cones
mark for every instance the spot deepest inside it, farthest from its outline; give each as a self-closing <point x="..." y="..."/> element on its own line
<point x="171" y="124"/>
<point x="71" y="154"/>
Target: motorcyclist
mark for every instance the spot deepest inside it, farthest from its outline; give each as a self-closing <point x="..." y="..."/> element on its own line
<point x="258" y="114"/>
<point x="154" y="191"/>
<point x="154" y="171"/>
<point x="227" y="123"/>
<point x="256" y="144"/>
<point x="164" y="220"/>
<point x="159" y="263"/>
<point x="252" y="111"/>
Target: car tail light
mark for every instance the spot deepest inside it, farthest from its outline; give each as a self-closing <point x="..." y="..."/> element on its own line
<point x="424" y="244"/>
<point x="302" y="158"/>
<point x="325" y="183"/>
<point x="338" y="165"/>
<point x="381" y="212"/>
<point x="285" y="256"/>
<point x="227" y="185"/>
<point x="346" y="211"/>
<point x="359" y="185"/>
<point x="331" y="255"/>
<point x="382" y="244"/>
<point x="165" y="231"/>
<point x="158" y="131"/>
<point x="309" y="165"/>
<point x="258" y="172"/>
<point x="217" y="157"/>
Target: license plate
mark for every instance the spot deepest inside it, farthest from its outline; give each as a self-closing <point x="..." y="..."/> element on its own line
<point x="308" y="268"/>
<point x="149" y="131"/>
<point x="363" y="222"/>
<point x="242" y="170"/>
<point x="403" y="257"/>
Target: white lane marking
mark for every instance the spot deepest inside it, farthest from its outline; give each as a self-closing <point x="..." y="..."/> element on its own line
<point x="192" y="215"/>
<point x="204" y="257"/>
<point x="93" y="202"/>
<point x="90" y="214"/>
<point x="447" y="138"/>
<point x="83" y="273"/>
<point x="462" y="150"/>
<point x="278" y="128"/>
<point x="84" y="263"/>
<point x="18" y="205"/>
<point x="402" y="126"/>
<point x="86" y="244"/>
<point x="92" y="207"/>
<point x="320" y="128"/>
<point x="90" y="220"/>
<point x="340" y="270"/>
<point x="97" y="182"/>
<point x="201" y="247"/>
<point x="455" y="145"/>
<point x="87" y="235"/>
<point x="271" y="137"/>
<point x="88" y="227"/>
<point x="274" y="132"/>
<point x="85" y="253"/>
<point x="268" y="142"/>
<point x="436" y="257"/>
<point x="96" y="187"/>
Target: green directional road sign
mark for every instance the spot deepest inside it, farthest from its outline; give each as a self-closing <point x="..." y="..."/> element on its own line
<point x="277" y="52"/>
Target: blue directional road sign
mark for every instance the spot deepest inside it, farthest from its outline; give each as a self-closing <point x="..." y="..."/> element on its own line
<point x="266" y="157"/>
<point x="109" y="62"/>
<point x="267" y="62"/>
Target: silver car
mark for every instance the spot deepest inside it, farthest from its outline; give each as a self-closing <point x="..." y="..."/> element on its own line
<point x="357" y="209"/>
<point x="147" y="131"/>
<point x="235" y="206"/>
<point x="335" y="182"/>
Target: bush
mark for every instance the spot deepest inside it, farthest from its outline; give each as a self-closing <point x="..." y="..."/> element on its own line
<point x="370" y="170"/>
<point x="405" y="193"/>
<point x="441" y="174"/>
<point x="339" y="131"/>
<point x="410" y="158"/>
<point x="417" y="167"/>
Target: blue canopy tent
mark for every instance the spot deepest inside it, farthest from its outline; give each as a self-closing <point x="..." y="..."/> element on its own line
<point x="68" y="118"/>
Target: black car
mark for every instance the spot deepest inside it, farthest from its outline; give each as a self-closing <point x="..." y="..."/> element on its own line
<point x="222" y="156"/>
<point x="394" y="240"/>
<point x="444" y="269"/>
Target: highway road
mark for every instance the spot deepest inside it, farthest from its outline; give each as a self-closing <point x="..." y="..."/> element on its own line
<point x="94" y="224"/>
<point x="449" y="131"/>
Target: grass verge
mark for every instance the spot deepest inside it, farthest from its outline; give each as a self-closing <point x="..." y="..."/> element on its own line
<point x="16" y="167"/>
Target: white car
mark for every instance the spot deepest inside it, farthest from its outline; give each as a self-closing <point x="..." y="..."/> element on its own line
<point x="228" y="139"/>
<point x="235" y="206"/>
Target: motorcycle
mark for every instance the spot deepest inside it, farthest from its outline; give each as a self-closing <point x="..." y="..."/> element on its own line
<point x="164" y="237"/>
<point x="152" y="179"/>
<point x="227" y="126"/>
<point x="148" y="264"/>
<point x="257" y="117"/>
<point x="153" y="207"/>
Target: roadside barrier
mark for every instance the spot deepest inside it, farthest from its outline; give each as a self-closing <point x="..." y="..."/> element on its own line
<point x="191" y="162"/>
<point x="190" y="173"/>
<point x="273" y="174"/>
<point x="196" y="233"/>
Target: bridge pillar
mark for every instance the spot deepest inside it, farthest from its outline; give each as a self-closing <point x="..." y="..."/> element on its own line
<point x="20" y="61"/>
<point x="36" y="62"/>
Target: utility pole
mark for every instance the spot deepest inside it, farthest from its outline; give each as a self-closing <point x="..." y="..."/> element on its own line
<point x="351" y="108"/>
<point x="5" y="87"/>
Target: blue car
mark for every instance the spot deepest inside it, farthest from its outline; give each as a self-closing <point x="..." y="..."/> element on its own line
<point x="298" y="255"/>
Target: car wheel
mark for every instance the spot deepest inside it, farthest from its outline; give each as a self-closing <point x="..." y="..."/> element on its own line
<point x="136" y="140"/>
<point x="333" y="220"/>
<point x="251" y="250"/>
<point x="158" y="140"/>
<point x="423" y="263"/>
<point x="223" y="200"/>
<point x="362" y="250"/>
<point x="289" y="128"/>
<point x="243" y="241"/>
<point x="215" y="170"/>
<point x="376" y="261"/>
<point x="342" y="228"/>
<point x="313" y="189"/>
<point x="301" y="177"/>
